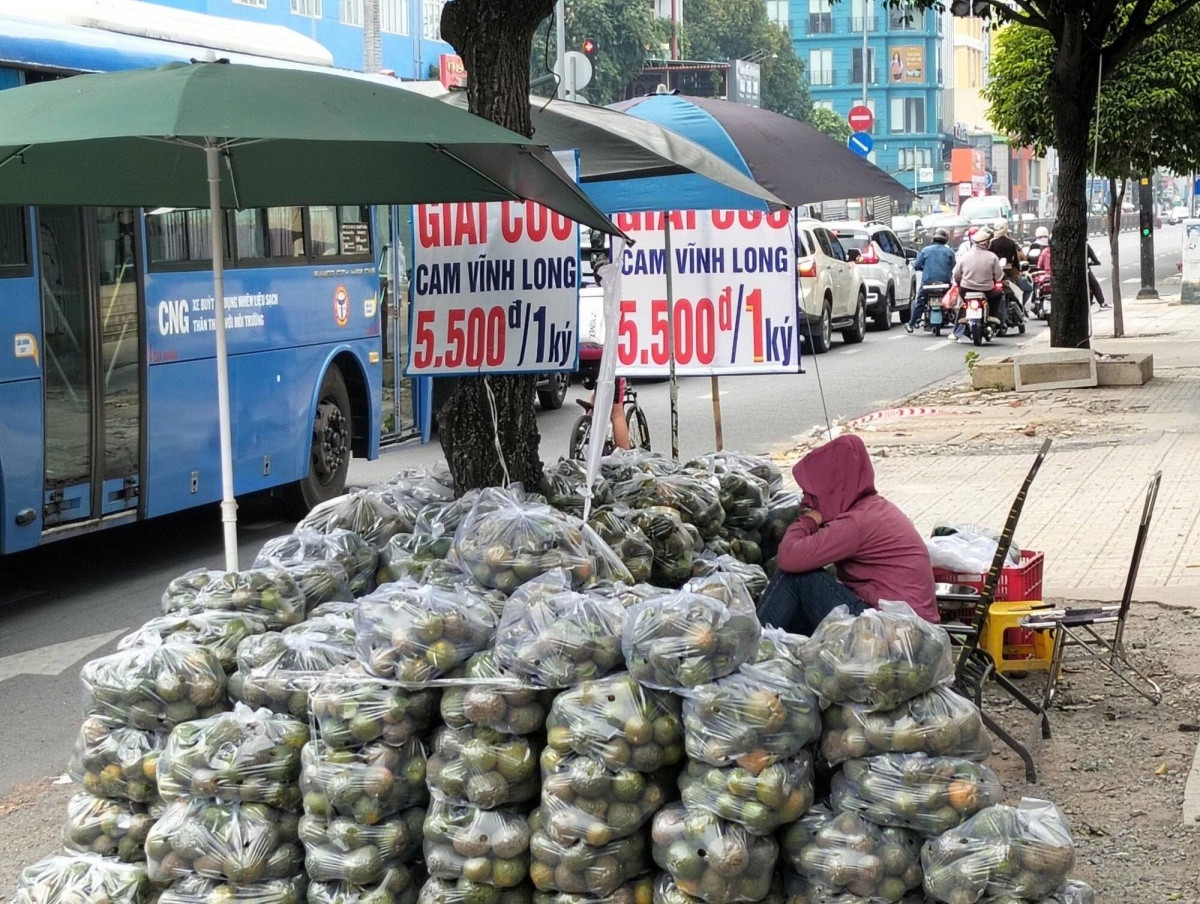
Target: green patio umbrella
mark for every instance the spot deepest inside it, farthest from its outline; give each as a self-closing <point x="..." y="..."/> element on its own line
<point x="221" y="135"/>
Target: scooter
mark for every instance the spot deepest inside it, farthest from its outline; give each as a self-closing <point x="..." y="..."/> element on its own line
<point x="974" y="318"/>
<point x="1043" y="293"/>
<point x="935" y="316"/>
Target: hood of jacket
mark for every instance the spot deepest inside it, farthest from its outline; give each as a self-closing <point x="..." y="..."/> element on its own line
<point x="835" y="476"/>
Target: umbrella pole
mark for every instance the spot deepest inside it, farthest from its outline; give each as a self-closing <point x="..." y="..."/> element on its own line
<point x="212" y="156"/>
<point x="671" y="340"/>
<point x="716" y="400"/>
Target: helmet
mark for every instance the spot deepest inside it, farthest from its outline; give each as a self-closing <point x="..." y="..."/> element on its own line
<point x="941" y="235"/>
<point x="999" y="226"/>
<point x="1042" y="233"/>
<point x="971" y="232"/>
<point x="981" y="237"/>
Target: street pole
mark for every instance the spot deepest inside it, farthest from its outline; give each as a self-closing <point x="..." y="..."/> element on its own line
<point x="560" y="42"/>
<point x="865" y="6"/>
<point x="1146" y="218"/>
<point x="674" y="30"/>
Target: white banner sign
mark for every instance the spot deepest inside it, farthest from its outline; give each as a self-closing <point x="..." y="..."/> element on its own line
<point x="734" y="285"/>
<point x="495" y="288"/>
<point x="1190" y="289"/>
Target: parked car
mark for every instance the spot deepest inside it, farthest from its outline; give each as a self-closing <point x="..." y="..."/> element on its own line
<point x="832" y="293"/>
<point x="886" y="269"/>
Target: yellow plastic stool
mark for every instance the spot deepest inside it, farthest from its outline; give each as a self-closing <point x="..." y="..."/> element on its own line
<point x="1016" y="657"/>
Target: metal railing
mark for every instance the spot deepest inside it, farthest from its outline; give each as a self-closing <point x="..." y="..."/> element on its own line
<point x="856" y="23"/>
<point x="820" y="23"/>
<point x="820" y="76"/>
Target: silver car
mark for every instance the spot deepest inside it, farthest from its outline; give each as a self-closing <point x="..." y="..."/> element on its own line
<point x="886" y="267"/>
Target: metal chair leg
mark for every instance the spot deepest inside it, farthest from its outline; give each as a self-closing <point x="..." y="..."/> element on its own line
<point x="1016" y="746"/>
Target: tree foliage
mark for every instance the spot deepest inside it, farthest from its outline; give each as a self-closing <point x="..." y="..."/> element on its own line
<point x="1149" y="105"/>
<point x="737" y="29"/>
<point x="825" y="120"/>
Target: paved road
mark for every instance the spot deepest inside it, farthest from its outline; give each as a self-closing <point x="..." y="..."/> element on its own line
<point x="69" y="601"/>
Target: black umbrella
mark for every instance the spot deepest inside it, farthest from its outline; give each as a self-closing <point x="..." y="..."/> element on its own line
<point x="787" y="157"/>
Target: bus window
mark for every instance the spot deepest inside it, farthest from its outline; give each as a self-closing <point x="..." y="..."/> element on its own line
<point x="285" y="232"/>
<point x="340" y="232"/>
<point x="250" y="235"/>
<point x="14" y="248"/>
<point x="179" y="236"/>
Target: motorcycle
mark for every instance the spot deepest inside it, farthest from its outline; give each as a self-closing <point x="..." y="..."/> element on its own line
<point x="973" y="316"/>
<point x="1043" y="293"/>
<point x="936" y="313"/>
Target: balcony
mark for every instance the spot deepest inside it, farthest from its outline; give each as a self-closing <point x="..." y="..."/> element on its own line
<point x="856" y="75"/>
<point x="820" y="23"/>
<point x="820" y="76"/>
<point x="857" y="23"/>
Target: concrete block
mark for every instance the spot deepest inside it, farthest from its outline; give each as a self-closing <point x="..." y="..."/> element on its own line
<point x="1124" y="370"/>
<point x="1059" y="368"/>
<point x="993" y="373"/>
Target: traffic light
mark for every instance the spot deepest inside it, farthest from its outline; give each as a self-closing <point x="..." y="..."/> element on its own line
<point x="1146" y="221"/>
<point x="589" y="48"/>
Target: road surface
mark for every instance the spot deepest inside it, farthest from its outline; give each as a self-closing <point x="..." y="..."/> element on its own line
<point x="69" y="601"/>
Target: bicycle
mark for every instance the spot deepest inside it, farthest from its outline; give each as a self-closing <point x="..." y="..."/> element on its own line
<point x="639" y="429"/>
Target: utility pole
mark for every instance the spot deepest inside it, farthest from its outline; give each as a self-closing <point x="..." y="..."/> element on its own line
<point x="675" y="4"/>
<point x="560" y="39"/>
<point x="372" y="42"/>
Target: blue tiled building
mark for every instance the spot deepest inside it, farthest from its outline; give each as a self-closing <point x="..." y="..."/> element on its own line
<point x="410" y="29"/>
<point x="903" y="68"/>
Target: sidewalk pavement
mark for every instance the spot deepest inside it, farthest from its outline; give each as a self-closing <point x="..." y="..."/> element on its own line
<point x="954" y="454"/>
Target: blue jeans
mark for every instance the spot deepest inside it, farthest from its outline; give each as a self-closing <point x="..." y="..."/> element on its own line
<point x="798" y="602"/>
<point x="918" y="308"/>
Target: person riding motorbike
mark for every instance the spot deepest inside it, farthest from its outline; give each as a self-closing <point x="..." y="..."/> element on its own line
<point x="936" y="264"/>
<point x="1046" y="264"/>
<point x="1041" y="241"/>
<point x="1006" y="249"/>
<point x="979" y="271"/>
<point x="965" y="245"/>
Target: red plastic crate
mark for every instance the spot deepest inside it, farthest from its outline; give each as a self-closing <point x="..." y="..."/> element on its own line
<point x="1017" y="582"/>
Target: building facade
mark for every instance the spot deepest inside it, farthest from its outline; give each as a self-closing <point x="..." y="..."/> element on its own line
<point x="899" y="55"/>
<point x="410" y="30"/>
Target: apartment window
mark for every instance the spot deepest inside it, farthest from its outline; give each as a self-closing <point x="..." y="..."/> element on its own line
<point x="856" y="66"/>
<point x="777" y="12"/>
<point x="907" y="115"/>
<point x="352" y="12"/>
<point x="431" y="19"/>
<point x="905" y="20"/>
<point x="862" y="15"/>
<point x="310" y="8"/>
<point x="820" y="67"/>
<point x="257" y="4"/>
<point x="393" y="17"/>
<point x="820" y="17"/>
<point x="913" y="158"/>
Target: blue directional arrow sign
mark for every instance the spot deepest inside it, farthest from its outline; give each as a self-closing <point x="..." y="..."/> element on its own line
<point x="861" y="143"/>
<point x="987" y="179"/>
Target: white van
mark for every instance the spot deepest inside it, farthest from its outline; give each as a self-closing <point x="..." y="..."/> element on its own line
<point x="981" y="211"/>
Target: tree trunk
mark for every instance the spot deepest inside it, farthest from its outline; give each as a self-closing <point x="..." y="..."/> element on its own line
<point x="1115" y="213"/>
<point x="1072" y="103"/>
<point x="482" y="435"/>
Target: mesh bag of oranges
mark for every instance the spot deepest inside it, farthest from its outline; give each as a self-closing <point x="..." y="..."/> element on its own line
<point x="929" y="794"/>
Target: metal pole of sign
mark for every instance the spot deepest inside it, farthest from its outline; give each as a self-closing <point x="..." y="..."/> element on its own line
<point x="560" y="40"/>
<point x="671" y="340"/>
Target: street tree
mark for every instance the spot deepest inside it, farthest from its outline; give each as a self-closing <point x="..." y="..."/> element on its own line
<point x="488" y="425"/>
<point x="1089" y="41"/>
<point x="1149" y="110"/>
<point x="825" y="120"/>
<point x="625" y="32"/>
<point x="740" y="29"/>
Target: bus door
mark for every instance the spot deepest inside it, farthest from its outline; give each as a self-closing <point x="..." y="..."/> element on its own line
<point x="92" y="396"/>
<point x="400" y="402"/>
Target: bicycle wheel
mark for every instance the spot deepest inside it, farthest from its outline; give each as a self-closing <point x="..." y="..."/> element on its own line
<point x="639" y="430"/>
<point x="579" y="437"/>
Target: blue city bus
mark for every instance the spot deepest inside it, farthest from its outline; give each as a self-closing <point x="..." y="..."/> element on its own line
<point x="108" y="408"/>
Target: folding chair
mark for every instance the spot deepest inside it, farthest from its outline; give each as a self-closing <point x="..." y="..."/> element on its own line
<point x="975" y="666"/>
<point x="1097" y="634"/>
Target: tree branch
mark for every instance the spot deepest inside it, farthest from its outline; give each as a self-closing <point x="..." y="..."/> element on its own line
<point x="1032" y="17"/>
<point x="1132" y="34"/>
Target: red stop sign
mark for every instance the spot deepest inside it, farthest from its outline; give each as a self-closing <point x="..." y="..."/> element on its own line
<point x="860" y="118"/>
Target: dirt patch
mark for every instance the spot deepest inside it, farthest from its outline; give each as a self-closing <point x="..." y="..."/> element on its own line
<point x="1117" y="765"/>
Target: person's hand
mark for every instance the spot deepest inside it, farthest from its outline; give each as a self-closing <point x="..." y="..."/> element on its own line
<point x="814" y="515"/>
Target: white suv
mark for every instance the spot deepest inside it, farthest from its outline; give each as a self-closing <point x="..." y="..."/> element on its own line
<point x="832" y="295"/>
<point x="885" y="269"/>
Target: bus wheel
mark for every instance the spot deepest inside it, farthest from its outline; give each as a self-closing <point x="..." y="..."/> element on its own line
<point x="329" y="458"/>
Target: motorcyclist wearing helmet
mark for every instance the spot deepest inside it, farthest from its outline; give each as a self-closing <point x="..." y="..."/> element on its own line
<point x="936" y="264"/>
<point x="979" y="271"/>
<point x="1041" y="241"/>
<point x="1006" y="249"/>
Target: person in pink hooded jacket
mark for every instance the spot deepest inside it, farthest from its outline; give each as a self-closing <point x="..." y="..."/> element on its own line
<point x="877" y="552"/>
